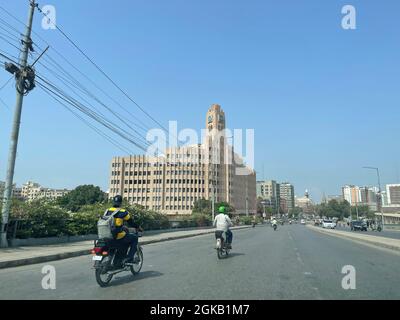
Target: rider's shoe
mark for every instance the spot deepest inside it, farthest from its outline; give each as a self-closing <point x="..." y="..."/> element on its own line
<point x="229" y="246"/>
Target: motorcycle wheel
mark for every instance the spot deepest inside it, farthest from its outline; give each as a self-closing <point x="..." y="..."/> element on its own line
<point x="102" y="277"/>
<point x="220" y="253"/>
<point x="135" y="269"/>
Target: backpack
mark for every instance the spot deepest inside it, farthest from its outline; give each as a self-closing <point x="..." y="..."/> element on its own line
<point x="106" y="225"/>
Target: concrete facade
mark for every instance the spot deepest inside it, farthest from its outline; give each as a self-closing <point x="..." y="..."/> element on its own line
<point x="173" y="182"/>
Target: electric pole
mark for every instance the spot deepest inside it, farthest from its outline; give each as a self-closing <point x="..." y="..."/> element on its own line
<point x="24" y="76"/>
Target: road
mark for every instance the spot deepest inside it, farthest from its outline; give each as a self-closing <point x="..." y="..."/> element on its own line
<point x="293" y="262"/>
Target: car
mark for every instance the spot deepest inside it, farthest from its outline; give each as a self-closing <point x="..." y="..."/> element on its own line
<point x="358" y="226"/>
<point x="328" y="224"/>
<point x="302" y="221"/>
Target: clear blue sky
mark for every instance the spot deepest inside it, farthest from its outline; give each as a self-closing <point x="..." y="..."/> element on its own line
<point x="323" y="101"/>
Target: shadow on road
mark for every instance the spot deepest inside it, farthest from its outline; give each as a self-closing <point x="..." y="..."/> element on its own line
<point x="130" y="278"/>
<point x="234" y="254"/>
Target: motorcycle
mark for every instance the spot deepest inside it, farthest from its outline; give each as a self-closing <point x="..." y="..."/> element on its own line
<point x="275" y="226"/>
<point x="221" y="246"/>
<point x="110" y="259"/>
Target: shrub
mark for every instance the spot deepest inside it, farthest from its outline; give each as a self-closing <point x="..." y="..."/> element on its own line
<point x="43" y="220"/>
<point x="247" y="220"/>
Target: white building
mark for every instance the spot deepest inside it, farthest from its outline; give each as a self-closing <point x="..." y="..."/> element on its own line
<point x="34" y="191"/>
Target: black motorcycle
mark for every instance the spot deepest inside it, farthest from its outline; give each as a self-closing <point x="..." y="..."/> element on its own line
<point x="221" y="246"/>
<point x="110" y="258"/>
<point x="275" y="227"/>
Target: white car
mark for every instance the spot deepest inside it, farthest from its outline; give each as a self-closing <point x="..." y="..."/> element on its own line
<point x="302" y="221"/>
<point x="328" y="224"/>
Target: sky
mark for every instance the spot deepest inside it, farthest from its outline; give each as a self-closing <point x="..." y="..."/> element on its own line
<point x="323" y="101"/>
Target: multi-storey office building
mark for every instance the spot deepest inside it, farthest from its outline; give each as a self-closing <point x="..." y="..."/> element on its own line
<point x="173" y="182"/>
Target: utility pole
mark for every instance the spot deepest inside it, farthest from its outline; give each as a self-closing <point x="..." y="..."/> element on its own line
<point x="379" y="195"/>
<point x="24" y="76"/>
<point x="247" y="199"/>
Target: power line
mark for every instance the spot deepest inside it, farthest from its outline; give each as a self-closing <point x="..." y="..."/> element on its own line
<point x="5" y="104"/>
<point x="7" y="56"/>
<point x="139" y="122"/>
<point x="110" y="110"/>
<point x="99" y="69"/>
<point x="10" y="43"/>
<point x="90" y="113"/>
<point x="99" y="132"/>
<point x="5" y="84"/>
<point x="9" y="25"/>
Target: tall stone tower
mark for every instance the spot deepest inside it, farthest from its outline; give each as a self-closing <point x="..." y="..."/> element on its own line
<point x="215" y="118"/>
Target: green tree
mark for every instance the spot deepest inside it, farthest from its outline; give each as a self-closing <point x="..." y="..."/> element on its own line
<point x="202" y="206"/>
<point x="81" y="196"/>
<point x="295" y="212"/>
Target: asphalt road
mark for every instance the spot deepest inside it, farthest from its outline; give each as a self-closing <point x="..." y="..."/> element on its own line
<point x="293" y="262"/>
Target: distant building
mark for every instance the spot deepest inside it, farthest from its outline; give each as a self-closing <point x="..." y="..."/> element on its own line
<point x="391" y="199"/>
<point x="358" y="196"/>
<point x="16" y="193"/>
<point x="34" y="191"/>
<point x="269" y="191"/>
<point x="393" y="194"/>
<point x="305" y="203"/>
<point x="287" y="193"/>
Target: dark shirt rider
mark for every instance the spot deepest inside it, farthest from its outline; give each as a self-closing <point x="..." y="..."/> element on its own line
<point x="121" y="233"/>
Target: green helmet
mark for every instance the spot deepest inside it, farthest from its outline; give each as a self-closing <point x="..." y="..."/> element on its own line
<point x="222" y="209"/>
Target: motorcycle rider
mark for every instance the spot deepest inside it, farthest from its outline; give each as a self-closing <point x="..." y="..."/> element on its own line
<point x="274" y="222"/>
<point x="222" y="222"/>
<point x="121" y="233"/>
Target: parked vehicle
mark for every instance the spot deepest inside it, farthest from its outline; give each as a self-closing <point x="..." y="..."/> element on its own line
<point x="357" y="225"/>
<point x="303" y="221"/>
<point x="328" y="224"/>
<point x="109" y="259"/>
<point x="221" y="246"/>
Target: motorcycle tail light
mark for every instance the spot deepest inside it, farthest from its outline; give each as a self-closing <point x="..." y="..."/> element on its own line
<point x="97" y="250"/>
<point x="105" y="253"/>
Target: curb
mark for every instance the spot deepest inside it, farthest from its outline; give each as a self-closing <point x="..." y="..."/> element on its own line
<point x="72" y="254"/>
<point x="359" y="240"/>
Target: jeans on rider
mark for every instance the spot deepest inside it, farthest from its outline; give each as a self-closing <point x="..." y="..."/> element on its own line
<point x="229" y="237"/>
<point x="131" y="240"/>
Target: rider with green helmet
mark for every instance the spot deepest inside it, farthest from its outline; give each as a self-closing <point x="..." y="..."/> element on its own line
<point x="222" y="222"/>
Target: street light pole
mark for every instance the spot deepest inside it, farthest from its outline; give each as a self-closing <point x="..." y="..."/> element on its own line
<point x="379" y="197"/>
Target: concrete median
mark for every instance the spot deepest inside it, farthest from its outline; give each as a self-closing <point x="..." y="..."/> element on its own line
<point x="388" y="243"/>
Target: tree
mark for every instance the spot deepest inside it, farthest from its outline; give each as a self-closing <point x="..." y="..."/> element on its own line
<point x="295" y="212"/>
<point x="205" y="206"/>
<point x="202" y="206"/>
<point x="334" y="209"/>
<point x="81" y="196"/>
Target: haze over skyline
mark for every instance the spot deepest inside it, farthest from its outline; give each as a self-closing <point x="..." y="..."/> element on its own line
<point x="323" y="101"/>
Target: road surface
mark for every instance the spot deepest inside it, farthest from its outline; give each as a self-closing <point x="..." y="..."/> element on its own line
<point x="293" y="262"/>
